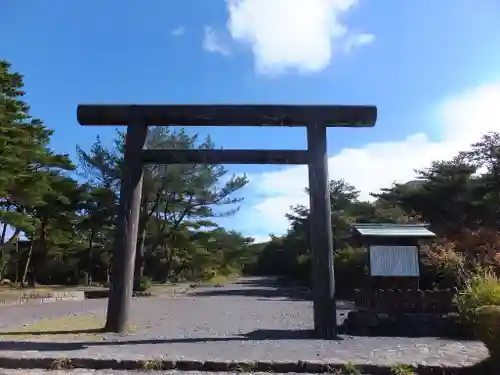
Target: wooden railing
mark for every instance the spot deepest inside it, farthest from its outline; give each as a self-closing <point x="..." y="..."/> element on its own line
<point x="405" y="301"/>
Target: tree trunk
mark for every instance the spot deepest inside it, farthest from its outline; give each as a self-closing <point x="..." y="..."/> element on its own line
<point x="108" y="276"/>
<point x="2" y="242"/>
<point x="169" y="256"/>
<point x="27" y="266"/>
<point x="39" y="255"/>
<point x="4" y="233"/>
<point x="2" y="269"/>
<point x="17" y="261"/>
<point x="139" y="256"/>
<point x="88" y="273"/>
<point x="143" y="223"/>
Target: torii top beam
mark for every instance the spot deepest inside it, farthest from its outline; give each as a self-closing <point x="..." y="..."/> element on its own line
<point x="227" y="115"/>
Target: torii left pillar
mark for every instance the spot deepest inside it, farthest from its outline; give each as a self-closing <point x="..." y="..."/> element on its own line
<point x="320" y="235"/>
<point x="126" y="230"/>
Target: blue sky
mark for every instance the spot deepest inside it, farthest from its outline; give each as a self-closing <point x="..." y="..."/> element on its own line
<point x="431" y="67"/>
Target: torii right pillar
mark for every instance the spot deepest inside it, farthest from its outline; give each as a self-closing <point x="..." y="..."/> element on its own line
<point x="320" y="235"/>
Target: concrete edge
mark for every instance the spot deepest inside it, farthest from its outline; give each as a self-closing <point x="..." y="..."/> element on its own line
<point x="78" y="296"/>
<point x="61" y="363"/>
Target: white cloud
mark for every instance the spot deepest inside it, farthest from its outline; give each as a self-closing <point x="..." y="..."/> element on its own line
<point x="261" y="239"/>
<point x="461" y="120"/>
<point x="301" y="35"/>
<point x="358" y="40"/>
<point x="212" y="42"/>
<point x="178" y="31"/>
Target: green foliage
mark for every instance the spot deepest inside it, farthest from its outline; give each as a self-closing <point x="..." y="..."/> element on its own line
<point x="178" y="203"/>
<point x="487" y="328"/>
<point x="443" y="263"/>
<point x="351" y="270"/>
<point x="70" y="226"/>
<point x="461" y="205"/>
<point x="290" y="255"/>
<point x="481" y="288"/>
<point x="29" y="168"/>
<point x="350" y="369"/>
<point x="402" y="370"/>
<point x="351" y="258"/>
<point x="143" y="284"/>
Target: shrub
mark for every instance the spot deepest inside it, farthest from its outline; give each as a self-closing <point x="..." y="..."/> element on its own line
<point x="442" y="264"/>
<point x="301" y="269"/>
<point x="143" y="284"/>
<point x="351" y="270"/>
<point x="482" y="288"/>
<point x="351" y="257"/>
<point x="487" y="328"/>
<point x="208" y="274"/>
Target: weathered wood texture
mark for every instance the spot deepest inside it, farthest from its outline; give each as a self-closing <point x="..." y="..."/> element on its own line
<point x="228" y="115"/>
<point x="197" y="156"/>
<point x="126" y="231"/>
<point x="320" y="235"/>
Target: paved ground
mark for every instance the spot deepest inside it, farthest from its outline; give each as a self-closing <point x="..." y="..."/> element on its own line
<point x="254" y="319"/>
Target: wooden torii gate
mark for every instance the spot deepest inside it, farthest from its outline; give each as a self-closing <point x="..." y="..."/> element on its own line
<point x="137" y="118"/>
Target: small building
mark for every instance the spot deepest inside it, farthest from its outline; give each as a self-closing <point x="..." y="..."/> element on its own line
<point x="393" y="253"/>
<point x="390" y="303"/>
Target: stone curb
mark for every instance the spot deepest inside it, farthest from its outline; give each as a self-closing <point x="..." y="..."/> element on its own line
<point x="61" y="363"/>
<point x="35" y="298"/>
<point x="24" y="301"/>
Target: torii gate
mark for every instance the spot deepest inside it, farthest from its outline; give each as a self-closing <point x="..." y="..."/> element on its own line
<point x="137" y="118"/>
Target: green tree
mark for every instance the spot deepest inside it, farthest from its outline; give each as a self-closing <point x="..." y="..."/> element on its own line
<point x="30" y="169"/>
<point x="290" y="255"/>
<point x="443" y="196"/>
<point x="171" y="194"/>
<point x="69" y="225"/>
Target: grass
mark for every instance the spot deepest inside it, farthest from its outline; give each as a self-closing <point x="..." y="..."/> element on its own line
<point x="350" y="369"/>
<point x="58" y="328"/>
<point x="402" y="370"/>
<point x="61" y="364"/>
<point x="482" y="289"/>
<point x="152" y="365"/>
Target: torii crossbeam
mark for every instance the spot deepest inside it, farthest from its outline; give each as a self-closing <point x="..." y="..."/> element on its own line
<point x="137" y="118"/>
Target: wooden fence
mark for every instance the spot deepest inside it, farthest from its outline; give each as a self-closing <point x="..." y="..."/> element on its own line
<point x="405" y="301"/>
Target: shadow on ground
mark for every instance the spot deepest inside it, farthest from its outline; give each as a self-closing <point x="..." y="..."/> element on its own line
<point x="484" y="367"/>
<point x="343" y="330"/>
<point x="260" y="288"/>
<point x="257" y="335"/>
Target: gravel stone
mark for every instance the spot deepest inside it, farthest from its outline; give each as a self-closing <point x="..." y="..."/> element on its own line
<point x="253" y="319"/>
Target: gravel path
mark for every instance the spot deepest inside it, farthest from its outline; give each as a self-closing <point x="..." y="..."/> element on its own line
<point x="254" y="319"/>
